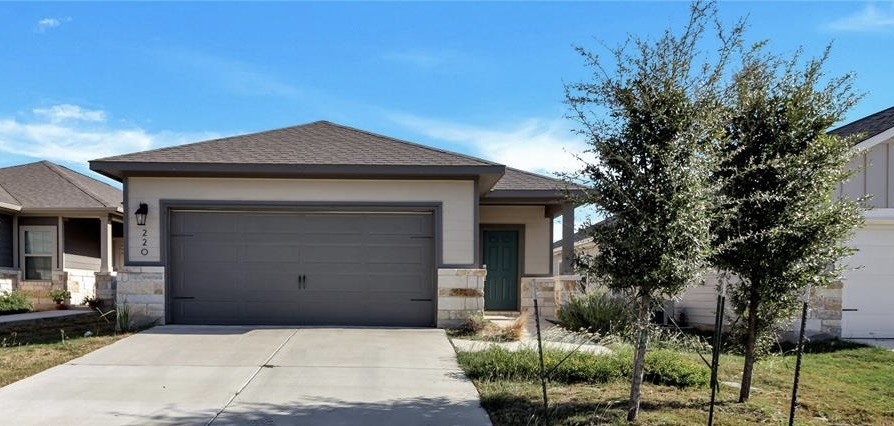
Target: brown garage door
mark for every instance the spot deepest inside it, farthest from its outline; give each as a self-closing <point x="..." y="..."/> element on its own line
<point x="312" y="268"/>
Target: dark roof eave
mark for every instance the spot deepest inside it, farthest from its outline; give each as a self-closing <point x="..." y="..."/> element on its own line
<point x="118" y="170"/>
<point x="546" y="195"/>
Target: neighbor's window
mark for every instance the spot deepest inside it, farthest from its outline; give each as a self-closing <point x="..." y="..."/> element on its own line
<point x="39" y="252"/>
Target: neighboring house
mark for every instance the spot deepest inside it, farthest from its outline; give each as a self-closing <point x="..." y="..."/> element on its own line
<point x="326" y="224"/>
<point x="57" y="230"/>
<point x="863" y="305"/>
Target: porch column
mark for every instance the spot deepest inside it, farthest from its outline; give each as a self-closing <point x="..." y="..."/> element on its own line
<point x="567" y="239"/>
<point x="105" y="244"/>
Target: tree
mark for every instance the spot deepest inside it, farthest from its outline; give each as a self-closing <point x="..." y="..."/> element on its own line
<point x="650" y="126"/>
<point x="779" y="227"/>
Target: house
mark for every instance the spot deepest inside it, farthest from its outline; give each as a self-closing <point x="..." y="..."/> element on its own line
<point x="326" y="224"/>
<point x="58" y="230"/>
<point x="862" y="306"/>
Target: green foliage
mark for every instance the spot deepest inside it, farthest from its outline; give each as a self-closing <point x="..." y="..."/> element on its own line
<point x="122" y="316"/>
<point x="652" y="119"/>
<point x="663" y="367"/>
<point x="93" y="302"/>
<point x="779" y="226"/>
<point x="666" y="367"/>
<point x="648" y="163"/>
<point x="14" y="303"/>
<point x="596" y="312"/>
<point x="59" y="295"/>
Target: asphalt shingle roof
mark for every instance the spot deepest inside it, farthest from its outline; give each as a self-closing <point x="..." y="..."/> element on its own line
<point x="6" y="198"/>
<point x="44" y="185"/>
<point x="320" y="142"/>
<point x="520" y="180"/>
<point x="870" y="125"/>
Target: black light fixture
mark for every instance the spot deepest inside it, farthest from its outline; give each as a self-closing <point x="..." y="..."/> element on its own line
<point x="141" y="214"/>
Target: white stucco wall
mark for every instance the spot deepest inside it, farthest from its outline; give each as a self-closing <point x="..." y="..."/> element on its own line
<point x="538" y="241"/>
<point x="458" y="233"/>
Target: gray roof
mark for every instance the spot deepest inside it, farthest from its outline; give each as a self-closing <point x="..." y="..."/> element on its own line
<point x="515" y="179"/>
<point x="324" y="149"/>
<point x="45" y="185"/>
<point x="320" y="142"/>
<point x="870" y="125"/>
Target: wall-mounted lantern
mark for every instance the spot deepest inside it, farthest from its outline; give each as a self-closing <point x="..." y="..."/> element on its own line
<point x="141" y="214"/>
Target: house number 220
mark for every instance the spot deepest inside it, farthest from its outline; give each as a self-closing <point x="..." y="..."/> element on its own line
<point x="143" y="235"/>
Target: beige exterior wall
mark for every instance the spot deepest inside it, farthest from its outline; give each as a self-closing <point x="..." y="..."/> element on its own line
<point x="538" y="241"/>
<point x="874" y="176"/>
<point x="458" y="233"/>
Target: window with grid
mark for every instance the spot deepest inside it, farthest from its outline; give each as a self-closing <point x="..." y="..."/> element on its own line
<point x="38" y="252"/>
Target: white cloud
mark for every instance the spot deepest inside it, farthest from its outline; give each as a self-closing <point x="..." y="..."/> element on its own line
<point x="48" y="23"/>
<point x="78" y="141"/>
<point x="543" y="146"/>
<point x="57" y="113"/>
<point x="869" y="19"/>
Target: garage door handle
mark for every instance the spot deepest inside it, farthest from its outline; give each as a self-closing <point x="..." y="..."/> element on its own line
<point x="849" y="310"/>
<point x="183" y="298"/>
<point x="420" y="300"/>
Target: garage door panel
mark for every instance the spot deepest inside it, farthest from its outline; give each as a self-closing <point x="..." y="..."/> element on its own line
<point x="398" y="225"/>
<point x="270" y="252"/>
<point x="334" y="253"/>
<point x="273" y="224"/>
<point x="198" y="222"/>
<point x="360" y="269"/>
<point x="868" y="292"/>
<point x="330" y="224"/>
<point x="396" y="254"/>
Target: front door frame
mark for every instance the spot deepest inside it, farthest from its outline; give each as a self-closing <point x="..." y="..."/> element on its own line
<point x="518" y="227"/>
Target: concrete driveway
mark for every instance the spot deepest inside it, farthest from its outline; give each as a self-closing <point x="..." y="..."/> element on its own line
<point x="254" y="376"/>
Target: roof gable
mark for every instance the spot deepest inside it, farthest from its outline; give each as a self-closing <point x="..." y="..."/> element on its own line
<point x="876" y="128"/>
<point x="320" y="142"/>
<point x="44" y="185"/>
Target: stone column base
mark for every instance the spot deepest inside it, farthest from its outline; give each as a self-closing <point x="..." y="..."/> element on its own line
<point x="460" y="295"/>
<point x="142" y="290"/>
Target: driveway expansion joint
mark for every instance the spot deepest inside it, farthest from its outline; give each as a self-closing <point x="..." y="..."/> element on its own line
<point x="263" y="365"/>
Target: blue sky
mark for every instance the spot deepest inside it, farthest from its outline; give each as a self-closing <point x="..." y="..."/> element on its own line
<point x="82" y="81"/>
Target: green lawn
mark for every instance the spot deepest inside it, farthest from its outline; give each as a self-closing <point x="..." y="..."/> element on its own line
<point x="849" y="386"/>
<point x="18" y="362"/>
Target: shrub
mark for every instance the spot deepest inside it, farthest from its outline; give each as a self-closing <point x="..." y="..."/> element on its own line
<point x="596" y="312"/>
<point x="667" y="367"/>
<point x="663" y="367"/>
<point x="59" y="296"/>
<point x="14" y="303"/>
<point x="122" y="317"/>
<point x="93" y="302"/>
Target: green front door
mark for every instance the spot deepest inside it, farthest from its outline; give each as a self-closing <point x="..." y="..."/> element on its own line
<point x="500" y="254"/>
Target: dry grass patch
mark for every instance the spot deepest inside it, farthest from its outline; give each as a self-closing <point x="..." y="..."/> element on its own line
<point x="845" y="387"/>
<point x="479" y="328"/>
<point x="19" y="362"/>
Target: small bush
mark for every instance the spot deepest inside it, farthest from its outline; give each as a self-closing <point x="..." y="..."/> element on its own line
<point x="663" y="367"/>
<point x="59" y="295"/>
<point x="595" y="312"/>
<point x="14" y="303"/>
<point x="667" y="367"/>
<point x="122" y="317"/>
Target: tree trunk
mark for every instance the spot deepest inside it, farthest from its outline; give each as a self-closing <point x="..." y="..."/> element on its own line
<point x="639" y="360"/>
<point x="750" y="343"/>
